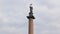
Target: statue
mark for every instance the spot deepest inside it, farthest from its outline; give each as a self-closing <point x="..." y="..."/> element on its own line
<point x="31" y="13"/>
<point x="31" y="8"/>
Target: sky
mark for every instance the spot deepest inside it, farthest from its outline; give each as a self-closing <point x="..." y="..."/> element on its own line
<point x="13" y="18"/>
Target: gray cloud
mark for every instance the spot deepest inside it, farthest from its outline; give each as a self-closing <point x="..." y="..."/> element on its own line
<point x="13" y="16"/>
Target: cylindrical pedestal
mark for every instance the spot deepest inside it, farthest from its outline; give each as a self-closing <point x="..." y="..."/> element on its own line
<point x="30" y="26"/>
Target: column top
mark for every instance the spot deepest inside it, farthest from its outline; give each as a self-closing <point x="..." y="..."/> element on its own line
<point x="31" y="13"/>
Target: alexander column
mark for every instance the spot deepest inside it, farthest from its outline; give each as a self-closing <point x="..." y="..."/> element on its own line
<point x="31" y="24"/>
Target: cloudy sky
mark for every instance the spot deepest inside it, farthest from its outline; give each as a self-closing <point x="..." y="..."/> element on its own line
<point x="13" y="16"/>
